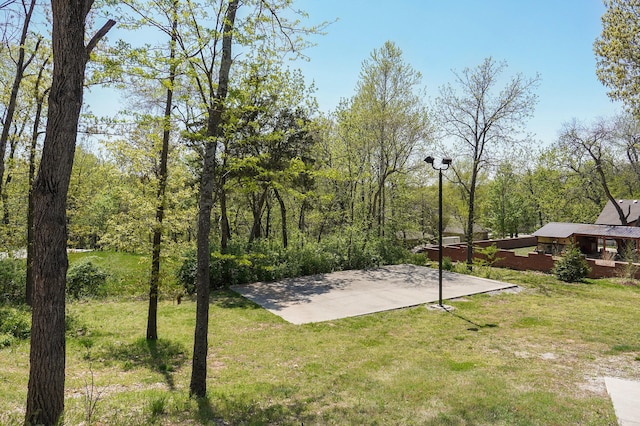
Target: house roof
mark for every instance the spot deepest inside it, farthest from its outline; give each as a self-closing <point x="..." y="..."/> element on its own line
<point x="609" y="215"/>
<point x="566" y="230"/>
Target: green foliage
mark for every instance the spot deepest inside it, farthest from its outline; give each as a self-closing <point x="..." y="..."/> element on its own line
<point x="15" y="324"/>
<point x="508" y="210"/>
<point x="12" y="281"/>
<point x="571" y="267"/>
<point x="84" y="279"/>
<point x="447" y="264"/>
<point x="270" y="262"/>
<point x="311" y="259"/>
<point x="616" y="52"/>
<point x="490" y="253"/>
<point x="128" y="274"/>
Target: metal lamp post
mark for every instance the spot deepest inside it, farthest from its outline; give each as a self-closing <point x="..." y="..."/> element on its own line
<point x="446" y="162"/>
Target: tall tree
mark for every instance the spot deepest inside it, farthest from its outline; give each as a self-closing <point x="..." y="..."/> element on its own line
<point x="21" y="64"/>
<point x="508" y="209"/>
<point x="376" y="133"/>
<point x="481" y="122"/>
<point x="616" y="50"/>
<point x="45" y="393"/>
<point x="627" y="141"/>
<point x="152" y="321"/>
<point x="269" y="138"/>
<point x="266" y="27"/>
<point x="589" y="149"/>
<point x="215" y="108"/>
<point x="392" y="119"/>
<point x="138" y="67"/>
<point x="39" y="95"/>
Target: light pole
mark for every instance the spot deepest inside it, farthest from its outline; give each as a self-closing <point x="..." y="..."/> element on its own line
<point x="446" y="162"/>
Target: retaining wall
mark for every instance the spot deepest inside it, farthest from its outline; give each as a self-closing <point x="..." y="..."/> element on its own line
<point x="531" y="262"/>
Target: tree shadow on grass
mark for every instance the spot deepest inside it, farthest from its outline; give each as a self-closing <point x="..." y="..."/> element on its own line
<point x="163" y="356"/>
<point x="475" y="326"/>
<point x="229" y="299"/>
<point x="238" y="409"/>
<point x="206" y="413"/>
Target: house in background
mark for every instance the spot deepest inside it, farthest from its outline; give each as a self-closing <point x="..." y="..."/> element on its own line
<point x="610" y="216"/>
<point x="593" y="240"/>
<point x="600" y="240"/>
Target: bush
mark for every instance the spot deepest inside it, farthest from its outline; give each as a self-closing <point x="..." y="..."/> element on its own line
<point x="447" y="264"/>
<point x="84" y="279"/>
<point x="186" y="273"/>
<point x="391" y="253"/>
<point x="571" y="267"/>
<point x="14" y="324"/>
<point x="268" y="261"/>
<point x="490" y="254"/>
<point x="310" y="260"/>
<point x="12" y="280"/>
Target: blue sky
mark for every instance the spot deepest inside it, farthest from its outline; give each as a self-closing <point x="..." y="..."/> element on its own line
<point x="550" y="37"/>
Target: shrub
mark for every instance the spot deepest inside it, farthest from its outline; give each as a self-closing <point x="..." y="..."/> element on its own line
<point x="447" y="264"/>
<point x="84" y="279"/>
<point x="186" y="273"/>
<point x="268" y="261"/>
<point x="490" y="254"/>
<point x="390" y="252"/>
<point x="572" y="266"/>
<point x="629" y="269"/>
<point x="12" y="280"/>
<point x="310" y="260"/>
<point x="14" y="324"/>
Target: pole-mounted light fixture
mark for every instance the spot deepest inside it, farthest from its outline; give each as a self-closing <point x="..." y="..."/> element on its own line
<point x="446" y="162"/>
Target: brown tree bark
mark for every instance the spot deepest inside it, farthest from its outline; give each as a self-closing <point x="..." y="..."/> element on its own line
<point x="198" y="384"/>
<point x="21" y="65"/>
<point x="225" y="229"/>
<point x="45" y="393"/>
<point x="257" y="209"/>
<point x="154" y="281"/>
<point x="32" y="172"/>
<point x="283" y="215"/>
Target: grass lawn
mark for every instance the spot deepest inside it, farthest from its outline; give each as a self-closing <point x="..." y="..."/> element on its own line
<point x="532" y="358"/>
<point x="524" y="251"/>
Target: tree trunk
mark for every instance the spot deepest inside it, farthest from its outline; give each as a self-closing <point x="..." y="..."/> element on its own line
<point x="32" y="171"/>
<point x="13" y="97"/>
<point x="267" y="228"/>
<point x="603" y="180"/>
<point x="198" y="384"/>
<point x="283" y="214"/>
<point x="257" y="209"/>
<point x="471" y="217"/>
<point x="45" y="393"/>
<point x="225" y="231"/>
<point x="154" y="282"/>
<point x="11" y="163"/>
<point x="302" y="225"/>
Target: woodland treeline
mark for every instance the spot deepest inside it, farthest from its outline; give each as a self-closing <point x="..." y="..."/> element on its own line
<point x="285" y="171"/>
<point x="219" y="142"/>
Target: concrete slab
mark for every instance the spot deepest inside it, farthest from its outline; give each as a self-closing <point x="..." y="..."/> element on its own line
<point x="625" y="395"/>
<point x="351" y="293"/>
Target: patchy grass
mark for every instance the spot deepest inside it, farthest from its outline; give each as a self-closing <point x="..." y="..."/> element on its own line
<point x="535" y="357"/>
<point x="128" y="273"/>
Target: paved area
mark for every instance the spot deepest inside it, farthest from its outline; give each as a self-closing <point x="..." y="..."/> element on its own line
<point x="350" y="293"/>
<point x="625" y="395"/>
